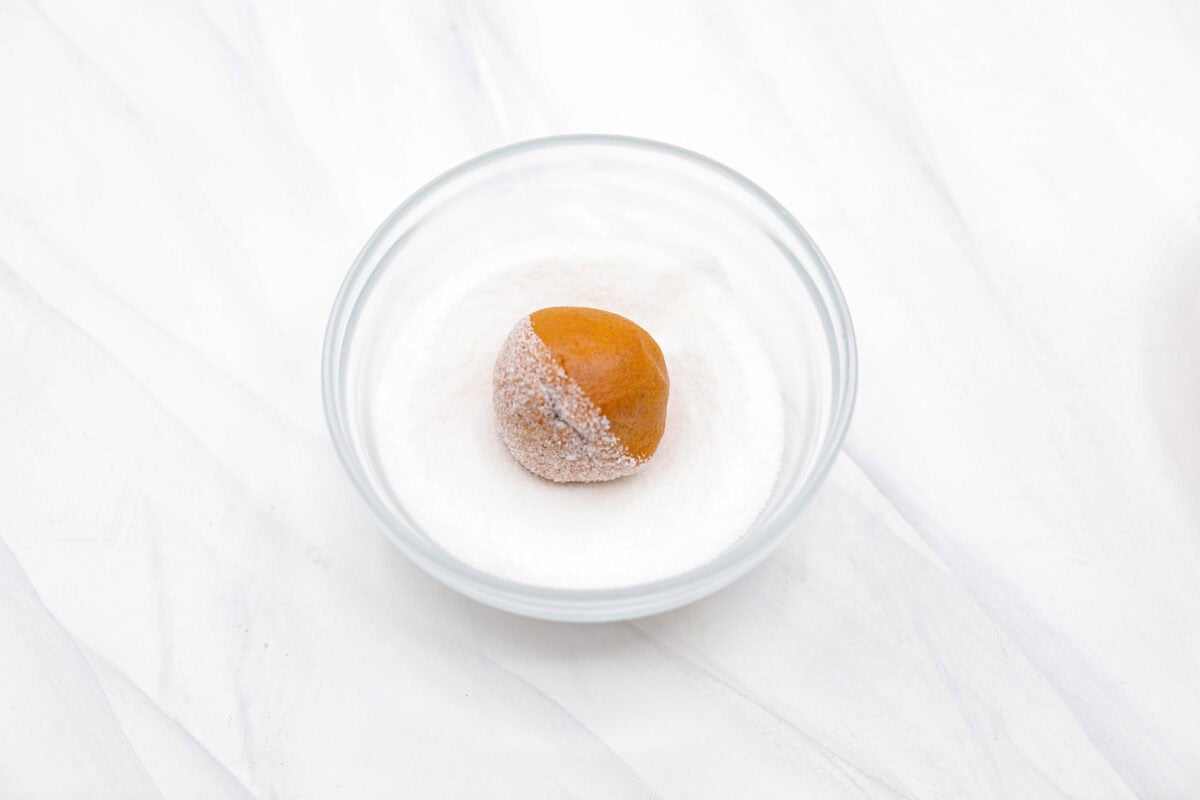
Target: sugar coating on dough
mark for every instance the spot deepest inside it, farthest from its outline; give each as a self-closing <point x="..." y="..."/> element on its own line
<point x="547" y="421"/>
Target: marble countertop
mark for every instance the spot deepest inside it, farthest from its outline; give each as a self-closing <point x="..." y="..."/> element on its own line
<point x="995" y="594"/>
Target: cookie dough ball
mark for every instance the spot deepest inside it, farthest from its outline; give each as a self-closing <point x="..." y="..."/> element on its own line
<point x="580" y="394"/>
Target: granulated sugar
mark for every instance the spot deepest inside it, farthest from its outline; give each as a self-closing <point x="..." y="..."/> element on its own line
<point x="714" y="470"/>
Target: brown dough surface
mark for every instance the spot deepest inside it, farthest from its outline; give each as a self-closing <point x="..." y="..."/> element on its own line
<point x="618" y="365"/>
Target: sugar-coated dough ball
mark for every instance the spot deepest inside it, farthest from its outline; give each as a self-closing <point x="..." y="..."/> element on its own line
<point x="580" y="394"/>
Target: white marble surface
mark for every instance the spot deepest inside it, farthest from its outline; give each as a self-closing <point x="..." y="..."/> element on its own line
<point x="995" y="595"/>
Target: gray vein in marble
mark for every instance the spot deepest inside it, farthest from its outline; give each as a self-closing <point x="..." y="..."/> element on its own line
<point x="120" y="100"/>
<point x="914" y="140"/>
<point x="481" y="102"/>
<point x="560" y="709"/>
<point x="15" y="585"/>
<point x="101" y="664"/>
<point x="30" y="292"/>
<point x="842" y="765"/>
<point x="145" y="128"/>
<point x="104" y="293"/>
<point x="276" y="114"/>
<point x="488" y="62"/>
<point x="246" y="720"/>
<point x="162" y="596"/>
<point x="1032" y="637"/>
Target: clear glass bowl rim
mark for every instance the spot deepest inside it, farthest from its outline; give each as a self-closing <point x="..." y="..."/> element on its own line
<point x="586" y="605"/>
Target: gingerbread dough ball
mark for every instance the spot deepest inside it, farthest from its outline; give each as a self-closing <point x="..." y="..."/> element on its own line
<point x="580" y="394"/>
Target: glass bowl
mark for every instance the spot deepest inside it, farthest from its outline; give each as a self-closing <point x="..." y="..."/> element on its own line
<point x="599" y="189"/>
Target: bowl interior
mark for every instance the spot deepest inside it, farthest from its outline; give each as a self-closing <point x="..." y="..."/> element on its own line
<point x="572" y="195"/>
